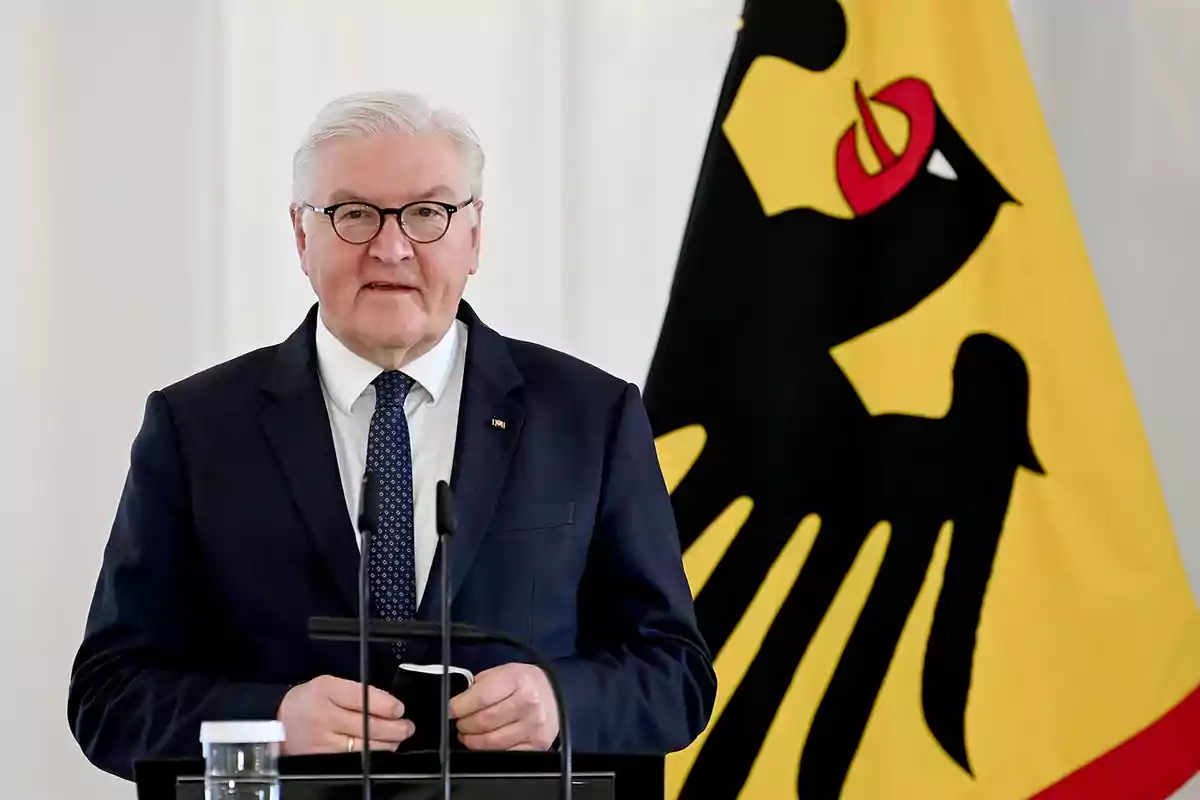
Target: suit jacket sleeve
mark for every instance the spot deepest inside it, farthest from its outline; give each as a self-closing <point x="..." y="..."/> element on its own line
<point x="649" y="686"/>
<point x="143" y="680"/>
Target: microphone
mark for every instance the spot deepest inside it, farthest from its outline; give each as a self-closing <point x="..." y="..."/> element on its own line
<point x="447" y="523"/>
<point x="336" y="628"/>
<point x="368" y="521"/>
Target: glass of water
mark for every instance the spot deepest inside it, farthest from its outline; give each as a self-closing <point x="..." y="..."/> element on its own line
<point x="241" y="759"/>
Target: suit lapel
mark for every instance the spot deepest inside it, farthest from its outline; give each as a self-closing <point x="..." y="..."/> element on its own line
<point x="296" y="424"/>
<point x="482" y="453"/>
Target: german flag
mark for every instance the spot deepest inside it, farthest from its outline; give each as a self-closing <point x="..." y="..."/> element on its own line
<point x="920" y="517"/>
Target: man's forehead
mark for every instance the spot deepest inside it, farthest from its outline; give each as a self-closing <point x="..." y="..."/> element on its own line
<point x="439" y="192"/>
<point x="388" y="168"/>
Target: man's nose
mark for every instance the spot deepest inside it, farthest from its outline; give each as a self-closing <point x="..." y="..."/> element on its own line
<point x="391" y="245"/>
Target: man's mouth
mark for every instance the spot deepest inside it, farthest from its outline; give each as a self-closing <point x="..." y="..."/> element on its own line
<point x="383" y="286"/>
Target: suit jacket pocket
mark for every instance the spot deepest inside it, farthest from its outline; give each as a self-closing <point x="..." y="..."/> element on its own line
<point x="519" y="516"/>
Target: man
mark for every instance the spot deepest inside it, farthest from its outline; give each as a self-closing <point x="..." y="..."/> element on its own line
<point x="237" y="522"/>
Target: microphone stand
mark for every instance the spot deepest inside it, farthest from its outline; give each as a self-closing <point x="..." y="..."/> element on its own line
<point x="368" y="520"/>
<point x="447" y="523"/>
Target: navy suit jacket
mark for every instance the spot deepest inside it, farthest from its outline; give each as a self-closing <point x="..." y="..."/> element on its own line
<point x="232" y="530"/>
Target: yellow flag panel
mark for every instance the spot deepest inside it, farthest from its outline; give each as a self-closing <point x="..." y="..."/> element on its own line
<point x="921" y="521"/>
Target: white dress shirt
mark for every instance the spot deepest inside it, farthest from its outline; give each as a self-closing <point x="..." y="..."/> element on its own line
<point x="432" y="413"/>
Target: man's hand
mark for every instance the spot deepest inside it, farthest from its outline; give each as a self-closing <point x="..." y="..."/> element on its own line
<point x="325" y="716"/>
<point x="510" y="707"/>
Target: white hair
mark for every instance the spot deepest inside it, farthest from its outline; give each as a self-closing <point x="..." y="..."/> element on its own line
<point x="385" y="112"/>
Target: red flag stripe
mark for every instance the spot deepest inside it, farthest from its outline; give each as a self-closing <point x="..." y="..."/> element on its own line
<point x="1150" y="765"/>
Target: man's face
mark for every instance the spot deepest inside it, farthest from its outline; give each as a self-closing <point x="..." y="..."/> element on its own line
<point x="388" y="300"/>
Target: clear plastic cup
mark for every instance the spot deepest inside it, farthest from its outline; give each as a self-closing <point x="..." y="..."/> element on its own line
<point x="241" y="759"/>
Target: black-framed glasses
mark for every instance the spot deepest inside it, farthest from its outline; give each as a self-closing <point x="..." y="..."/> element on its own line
<point x="422" y="221"/>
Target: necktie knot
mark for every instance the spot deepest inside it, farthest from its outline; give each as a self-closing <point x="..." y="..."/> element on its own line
<point x="392" y="387"/>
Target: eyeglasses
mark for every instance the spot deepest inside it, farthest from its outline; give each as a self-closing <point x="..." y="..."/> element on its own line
<point x="423" y="221"/>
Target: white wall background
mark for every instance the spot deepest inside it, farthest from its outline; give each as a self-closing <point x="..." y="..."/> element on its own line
<point x="144" y="177"/>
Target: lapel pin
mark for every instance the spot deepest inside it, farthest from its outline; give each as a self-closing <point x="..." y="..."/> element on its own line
<point x="498" y="423"/>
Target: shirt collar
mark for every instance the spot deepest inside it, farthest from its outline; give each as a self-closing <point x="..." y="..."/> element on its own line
<point x="347" y="375"/>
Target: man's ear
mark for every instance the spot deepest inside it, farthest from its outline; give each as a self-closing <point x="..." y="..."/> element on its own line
<point x="296" y="213"/>
<point x="476" y="230"/>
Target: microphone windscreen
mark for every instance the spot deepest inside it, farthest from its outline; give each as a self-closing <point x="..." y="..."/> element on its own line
<point x="447" y="522"/>
<point x="368" y="503"/>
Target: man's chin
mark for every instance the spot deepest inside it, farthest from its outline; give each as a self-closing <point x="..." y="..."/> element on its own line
<point x="394" y="339"/>
<point x="390" y="314"/>
<point x="397" y="338"/>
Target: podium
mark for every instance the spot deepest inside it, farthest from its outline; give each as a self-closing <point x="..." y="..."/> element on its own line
<point x="417" y="776"/>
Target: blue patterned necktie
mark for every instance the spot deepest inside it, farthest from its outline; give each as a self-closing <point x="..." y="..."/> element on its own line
<point x="391" y="571"/>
